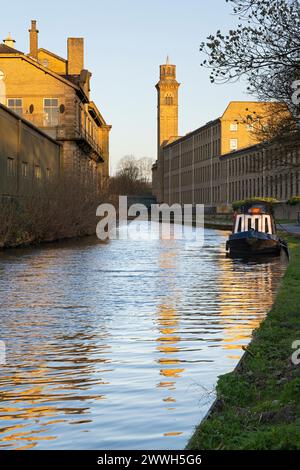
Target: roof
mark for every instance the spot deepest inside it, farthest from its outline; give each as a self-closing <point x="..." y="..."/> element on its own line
<point x="35" y="63"/>
<point x="97" y="116"/>
<point x="4" y="49"/>
<point x="242" y="150"/>
<point x="72" y="78"/>
<point x="190" y="134"/>
<point x="58" y="57"/>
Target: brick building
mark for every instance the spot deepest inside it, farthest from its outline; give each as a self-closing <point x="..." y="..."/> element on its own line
<point x="217" y="163"/>
<point x="53" y="94"/>
<point x="28" y="156"/>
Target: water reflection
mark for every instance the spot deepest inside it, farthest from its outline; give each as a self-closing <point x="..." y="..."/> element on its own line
<point x="112" y="346"/>
<point x="168" y="325"/>
<point x="244" y="300"/>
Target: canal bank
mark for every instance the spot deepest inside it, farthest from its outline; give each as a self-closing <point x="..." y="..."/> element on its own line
<point x="257" y="405"/>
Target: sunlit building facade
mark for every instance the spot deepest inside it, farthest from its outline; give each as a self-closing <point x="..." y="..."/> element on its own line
<point x="53" y="94"/>
<point x="217" y="163"/>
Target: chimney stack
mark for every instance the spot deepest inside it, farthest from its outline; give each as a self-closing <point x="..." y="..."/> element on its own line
<point x="33" y="36"/>
<point x="75" y="56"/>
<point x="9" y="41"/>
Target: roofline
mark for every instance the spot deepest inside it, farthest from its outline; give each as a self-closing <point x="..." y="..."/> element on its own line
<point x="29" y="124"/>
<point x="52" y="53"/>
<point x="41" y="67"/>
<point x="192" y="133"/>
<point x="246" y="102"/>
<point x="251" y="148"/>
<point x="101" y="118"/>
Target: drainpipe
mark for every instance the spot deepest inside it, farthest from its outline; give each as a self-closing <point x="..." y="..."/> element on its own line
<point x="170" y="165"/>
<point x="19" y="156"/>
<point x="180" y="173"/>
<point x="227" y="182"/>
<point x="211" y="167"/>
<point x="193" y="172"/>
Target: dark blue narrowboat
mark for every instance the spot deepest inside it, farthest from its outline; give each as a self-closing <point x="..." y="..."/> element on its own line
<point x="254" y="232"/>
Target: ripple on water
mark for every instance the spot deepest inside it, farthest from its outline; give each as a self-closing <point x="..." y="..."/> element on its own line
<point x="119" y="345"/>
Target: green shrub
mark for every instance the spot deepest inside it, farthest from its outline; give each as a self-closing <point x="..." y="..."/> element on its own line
<point x="293" y="201"/>
<point x="238" y="204"/>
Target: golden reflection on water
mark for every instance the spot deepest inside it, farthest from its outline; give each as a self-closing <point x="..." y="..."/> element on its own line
<point x="243" y="302"/>
<point x="39" y="399"/>
<point x="85" y="349"/>
<point x="168" y="326"/>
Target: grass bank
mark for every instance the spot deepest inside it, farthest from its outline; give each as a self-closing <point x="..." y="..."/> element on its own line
<point x="258" y="405"/>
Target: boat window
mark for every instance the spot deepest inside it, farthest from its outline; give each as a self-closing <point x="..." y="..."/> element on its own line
<point x="239" y="228"/>
<point x="268" y="224"/>
<point x="238" y="224"/>
<point x="249" y="223"/>
<point x="256" y="224"/>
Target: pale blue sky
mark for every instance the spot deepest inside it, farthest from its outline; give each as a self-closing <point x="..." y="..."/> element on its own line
<point x="125" y="41"/>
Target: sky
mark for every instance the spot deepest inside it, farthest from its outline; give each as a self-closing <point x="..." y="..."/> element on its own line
<point x="125" y="42"/>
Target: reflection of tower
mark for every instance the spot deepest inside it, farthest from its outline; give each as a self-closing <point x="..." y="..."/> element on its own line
<point x="168" y="341"/>
<point x="167" y="104"/>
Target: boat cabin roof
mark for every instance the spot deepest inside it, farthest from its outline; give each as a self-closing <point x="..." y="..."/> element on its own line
<point x="256" y="208"/>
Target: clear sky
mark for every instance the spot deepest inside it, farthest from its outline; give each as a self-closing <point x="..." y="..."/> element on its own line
<point x="125" y="41"/>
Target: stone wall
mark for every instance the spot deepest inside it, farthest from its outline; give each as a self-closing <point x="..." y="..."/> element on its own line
<point x="28" y="157"/>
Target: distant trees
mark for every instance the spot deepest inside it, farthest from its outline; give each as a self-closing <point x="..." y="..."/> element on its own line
<point x="264" y="49"/>
<point x="133" y="176"/>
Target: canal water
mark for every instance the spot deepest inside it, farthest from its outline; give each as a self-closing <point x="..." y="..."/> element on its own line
<point x="119" y="345"/>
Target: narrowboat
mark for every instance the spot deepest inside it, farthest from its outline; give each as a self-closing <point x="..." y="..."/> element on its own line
<point x="254" y="232"/>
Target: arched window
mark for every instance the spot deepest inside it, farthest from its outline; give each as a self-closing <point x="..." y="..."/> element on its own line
<point x="168" y="99"/>
<point x="2" y="88"/>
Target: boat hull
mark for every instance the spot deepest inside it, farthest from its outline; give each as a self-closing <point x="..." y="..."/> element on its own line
<point x="253" y="243"/>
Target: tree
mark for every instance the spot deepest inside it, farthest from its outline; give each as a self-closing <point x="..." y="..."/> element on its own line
<point x="145" y="169"/>
<point x="128" y="168"/>
<point x="133" y="176"/>
<point x="264" y="48"/>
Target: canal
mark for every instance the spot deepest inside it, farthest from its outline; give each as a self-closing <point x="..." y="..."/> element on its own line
<point x="119" y="345"/>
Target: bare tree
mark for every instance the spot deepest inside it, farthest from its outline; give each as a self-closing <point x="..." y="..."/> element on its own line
<point x="128" y="168"/>
<point x="145" y="169"/>
<point x="264" y="48"/>
<point x="132" y="177"/>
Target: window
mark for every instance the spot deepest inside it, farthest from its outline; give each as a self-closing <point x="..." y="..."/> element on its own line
<point x="233" y="144"/>
<point x="10" y="167"/>
<point x="169" y="99"/>
<point x="37" y="172"/>
<point x="16" y="105"/>
<point x="51" y="112"/>
<point x="24" y="169"/>
<point x="233" y="127"/>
